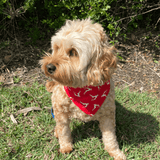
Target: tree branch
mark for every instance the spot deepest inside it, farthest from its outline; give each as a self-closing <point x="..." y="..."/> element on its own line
<point x="138" y="14"/>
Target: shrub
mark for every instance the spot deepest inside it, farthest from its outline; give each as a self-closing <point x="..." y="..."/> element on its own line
<point x="40" y="17"/>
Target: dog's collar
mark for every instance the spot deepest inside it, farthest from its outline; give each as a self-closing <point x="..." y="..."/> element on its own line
<point x="89" y="98"/>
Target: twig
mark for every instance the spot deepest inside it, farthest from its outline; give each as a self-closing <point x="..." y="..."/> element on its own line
<point x="5" y="97"/>
<point x="149" y="67"/>
<point x="26" y="110"/>
<point x="134" y="15"/>
<point x="129" y="84"/>
<point x="125" y="82"/>
<point x="154" y="72"/>
<point x="138" y="14"/>
<point x="157" y="22"/>
<point x="52" y="148"/>
<point x="49" y="108"/>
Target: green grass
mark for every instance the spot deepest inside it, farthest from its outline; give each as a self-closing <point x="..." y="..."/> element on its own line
<point x="138" y="127"/>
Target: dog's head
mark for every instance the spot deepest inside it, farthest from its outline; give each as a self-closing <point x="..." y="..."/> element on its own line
<point x="80" y="55"/>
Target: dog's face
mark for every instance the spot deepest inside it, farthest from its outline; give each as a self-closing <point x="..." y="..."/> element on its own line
<point x="80" y="55"/>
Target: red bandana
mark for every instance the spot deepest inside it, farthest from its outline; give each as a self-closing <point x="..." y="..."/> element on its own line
<point x="89" y="99"/>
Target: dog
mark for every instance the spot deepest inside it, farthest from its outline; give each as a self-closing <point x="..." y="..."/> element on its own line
<point x="81" y="65"/>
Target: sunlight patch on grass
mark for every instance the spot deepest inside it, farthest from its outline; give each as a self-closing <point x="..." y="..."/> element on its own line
<point x="137" y="130"/>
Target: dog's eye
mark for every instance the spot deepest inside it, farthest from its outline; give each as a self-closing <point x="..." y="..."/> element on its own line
<point x="72" y="53"/>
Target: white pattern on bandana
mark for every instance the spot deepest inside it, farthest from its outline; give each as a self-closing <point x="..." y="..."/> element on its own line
<point x="87" y="90"/>
<point x="94" y="97"/>
<point x="85" y="104"/>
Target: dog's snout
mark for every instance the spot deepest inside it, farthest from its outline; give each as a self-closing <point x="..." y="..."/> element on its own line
<point x="51" y="68"/>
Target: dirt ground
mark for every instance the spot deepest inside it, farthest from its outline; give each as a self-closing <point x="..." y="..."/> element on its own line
<point x="138" y="66"/>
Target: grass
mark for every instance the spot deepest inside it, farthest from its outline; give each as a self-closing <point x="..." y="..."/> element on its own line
<point x="138" y="127"/>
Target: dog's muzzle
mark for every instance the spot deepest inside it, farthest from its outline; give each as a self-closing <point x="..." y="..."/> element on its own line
<point x="51" y="68"/>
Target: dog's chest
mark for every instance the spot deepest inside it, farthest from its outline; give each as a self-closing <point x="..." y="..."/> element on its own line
<point x="63" y="104"/>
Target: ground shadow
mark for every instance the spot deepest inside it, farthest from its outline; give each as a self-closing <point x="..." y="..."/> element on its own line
<point x="131" y="127"/>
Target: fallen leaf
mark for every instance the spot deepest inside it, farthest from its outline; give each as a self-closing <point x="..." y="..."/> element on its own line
<point x="7" y="58"/>
<point x="13" y="119"/>
<point x="29" y="155"/>
<point x="26" y="110"/>
<point x="141" y="89"/>
<point x="126" y="149"/>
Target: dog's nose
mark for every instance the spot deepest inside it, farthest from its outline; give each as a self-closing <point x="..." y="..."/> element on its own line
<point x="51" y="68"/>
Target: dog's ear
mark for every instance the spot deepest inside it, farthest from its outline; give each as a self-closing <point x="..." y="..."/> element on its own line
<point x="50" y="85"/>
<point x="107" y="63"/>
<point x="103" y="62"/>
<point x="101" y="68"/>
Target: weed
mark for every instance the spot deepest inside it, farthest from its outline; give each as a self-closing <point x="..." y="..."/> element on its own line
<point x="16" y="79"/>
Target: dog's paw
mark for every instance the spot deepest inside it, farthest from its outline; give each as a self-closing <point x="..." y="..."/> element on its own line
<point x="118" y="156"/>
<point x="65" y="149"/>
<point x="121" y="158"/>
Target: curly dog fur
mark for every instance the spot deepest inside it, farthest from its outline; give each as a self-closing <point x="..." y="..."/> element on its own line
<point x="81" y="56"/>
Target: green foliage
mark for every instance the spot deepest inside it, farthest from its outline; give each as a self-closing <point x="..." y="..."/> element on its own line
<point x="29" y="4"/>
<point x="16" y="79"/>
<point x="116" y="16"/>
<point x="4" y="44"/>
<point x="2" y="2"/>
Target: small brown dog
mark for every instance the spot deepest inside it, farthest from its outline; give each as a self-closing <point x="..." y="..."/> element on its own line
<point x="81" y="66"/>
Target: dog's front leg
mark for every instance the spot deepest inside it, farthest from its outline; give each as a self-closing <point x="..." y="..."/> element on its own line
<point x="107" y="126"/>
<point x="63" y="132"/>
